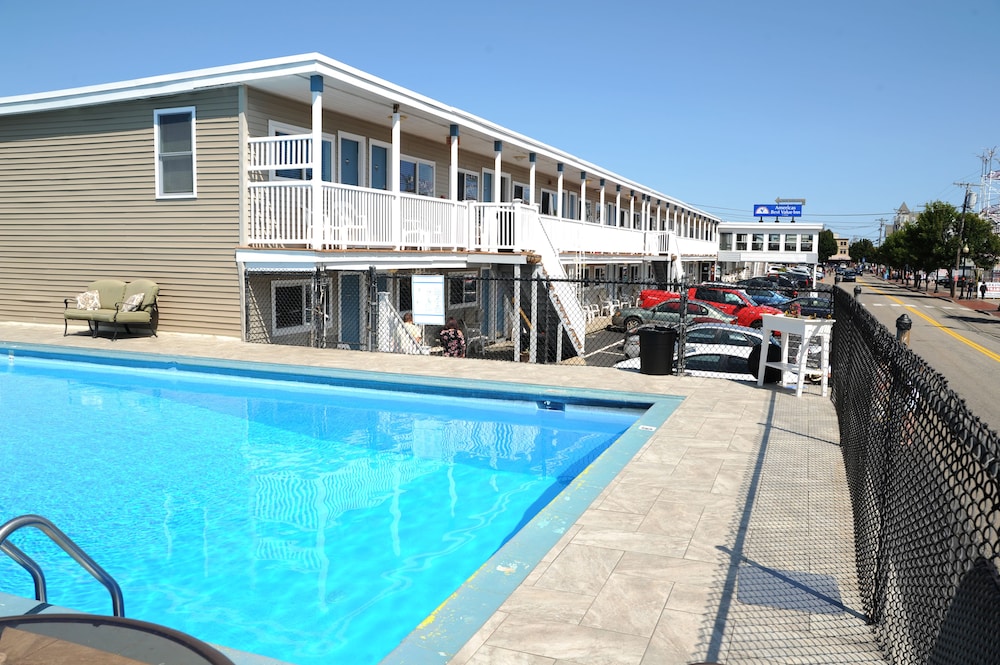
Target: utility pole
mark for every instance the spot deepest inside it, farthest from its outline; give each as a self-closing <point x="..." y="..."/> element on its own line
<point x="881" y="229"/>
<point x="961" y="234"/>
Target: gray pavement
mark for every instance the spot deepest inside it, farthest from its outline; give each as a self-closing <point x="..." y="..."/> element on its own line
<point x="728" y="537"/>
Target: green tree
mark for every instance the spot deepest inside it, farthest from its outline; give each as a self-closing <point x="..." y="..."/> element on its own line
<point x="827" y="245"/>
<point x="978" y="237"/>
<point x="931" y="240"/>
<point x="894" y="251"/>
<point x="862" y="250"/>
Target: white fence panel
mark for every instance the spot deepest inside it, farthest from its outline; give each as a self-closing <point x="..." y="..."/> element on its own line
<point x="279" y="152"/>
<point x="279" y="214"/>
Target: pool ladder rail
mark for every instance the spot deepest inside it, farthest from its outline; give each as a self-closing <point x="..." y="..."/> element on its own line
<point x="68" y="546"/>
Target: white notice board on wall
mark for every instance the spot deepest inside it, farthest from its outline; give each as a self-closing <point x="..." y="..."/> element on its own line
<point x="427" y="292"/>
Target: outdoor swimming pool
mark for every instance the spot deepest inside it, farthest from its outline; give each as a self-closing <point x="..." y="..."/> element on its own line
<point x="310" y="522"/>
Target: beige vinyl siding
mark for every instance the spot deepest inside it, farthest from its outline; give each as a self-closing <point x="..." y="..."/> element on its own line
<point x="78" y="203"/>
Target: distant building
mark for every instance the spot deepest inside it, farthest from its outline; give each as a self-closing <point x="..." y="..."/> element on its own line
<point x="749" y="248"/>
<point x="902" y="217"/>
<point x="843" y="250"/>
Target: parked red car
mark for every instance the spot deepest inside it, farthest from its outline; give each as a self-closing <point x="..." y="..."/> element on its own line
<point x="724" y="297"/>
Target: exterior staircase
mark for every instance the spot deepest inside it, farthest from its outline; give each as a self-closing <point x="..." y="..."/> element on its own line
<point x="561" y="292"/>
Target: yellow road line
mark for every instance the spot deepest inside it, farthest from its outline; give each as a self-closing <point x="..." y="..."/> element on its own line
<point x="986" y="352"/>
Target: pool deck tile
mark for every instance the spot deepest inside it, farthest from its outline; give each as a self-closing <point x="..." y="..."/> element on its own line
<point x="726" y="538"/>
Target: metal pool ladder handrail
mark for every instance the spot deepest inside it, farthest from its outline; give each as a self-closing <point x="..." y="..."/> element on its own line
<point x="68" y="546"/>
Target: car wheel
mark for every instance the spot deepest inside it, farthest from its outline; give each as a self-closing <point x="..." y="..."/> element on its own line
<point x="758" y="324"/>
<point x="631" y="323"/>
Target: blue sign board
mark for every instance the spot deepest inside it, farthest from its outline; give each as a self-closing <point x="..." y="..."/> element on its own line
<point x="777" y="210"/>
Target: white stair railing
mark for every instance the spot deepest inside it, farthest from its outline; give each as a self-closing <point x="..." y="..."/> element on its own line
<point x="562" y="292"/>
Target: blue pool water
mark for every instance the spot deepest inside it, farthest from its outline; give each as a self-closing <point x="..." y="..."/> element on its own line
<point x="308" y="522"/>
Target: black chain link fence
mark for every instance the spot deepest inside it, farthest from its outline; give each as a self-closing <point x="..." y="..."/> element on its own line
<point x="923" y="476"/>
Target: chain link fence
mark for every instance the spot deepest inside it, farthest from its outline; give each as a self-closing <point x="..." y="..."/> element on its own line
<point x="923" y="476"/>
<point x="594" y="321"/>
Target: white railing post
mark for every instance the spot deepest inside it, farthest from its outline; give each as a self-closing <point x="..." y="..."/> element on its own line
<point x="397" y="216"/>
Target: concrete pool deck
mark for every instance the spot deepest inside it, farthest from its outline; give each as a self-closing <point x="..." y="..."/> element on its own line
<point x="727" y="538"/>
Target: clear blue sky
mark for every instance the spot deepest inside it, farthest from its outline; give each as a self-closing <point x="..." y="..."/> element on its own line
<point x="855" y="106"/>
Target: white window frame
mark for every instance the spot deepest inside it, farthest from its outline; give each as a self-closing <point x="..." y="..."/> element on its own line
<point x="362" y="142"/>
<point x="276" y="126"/>
<point x="609" y="217"/>
<point x="157" y="156"/>
<point x="524" y="187"/>
<point x="570" y="202"/>
<point x="306" y="286"/>
<point x="553" y="201"/>
<point x="479" y="184"/>
<point x="477" y="279"/>
<point x="505" y="186"/>
<point x="419" y="162"/>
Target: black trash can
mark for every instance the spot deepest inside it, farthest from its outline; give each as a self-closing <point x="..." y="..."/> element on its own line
<point x="656" y="348"/>
<point x="771" y="374"/>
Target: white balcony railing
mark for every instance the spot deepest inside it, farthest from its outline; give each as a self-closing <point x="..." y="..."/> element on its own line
<point x="348" y="217"/>
<point x="577" y="236"/>
<point x="279" y="152"/>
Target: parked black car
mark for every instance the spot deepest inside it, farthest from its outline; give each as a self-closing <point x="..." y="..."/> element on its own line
<point x="780" y="283"/>
<point x="817" y="306"/>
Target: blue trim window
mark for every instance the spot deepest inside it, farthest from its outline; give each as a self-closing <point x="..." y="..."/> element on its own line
<point x="174" y="145"/>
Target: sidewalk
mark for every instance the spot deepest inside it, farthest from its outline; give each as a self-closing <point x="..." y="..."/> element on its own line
<point x="728" y="538"/>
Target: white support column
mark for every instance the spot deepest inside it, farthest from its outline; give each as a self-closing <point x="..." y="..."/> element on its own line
<point x="316" y="161"/>
<point x="583" y="195"/>
<point x="631" y="210"/>
<point x="397" y="210"/>
<point x="659" y="224"/>
<point x="618" y="205"/>
<point x="602" y="212"/>
<point x="497" y="163"/>
<point x="453" y="165"/>
<point x="453" y="193"/>
<point x="532" y="158"/>
<point x="559" y="192"/>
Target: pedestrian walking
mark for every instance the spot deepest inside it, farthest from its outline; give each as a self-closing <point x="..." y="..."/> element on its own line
<point x="982" y="290"/>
